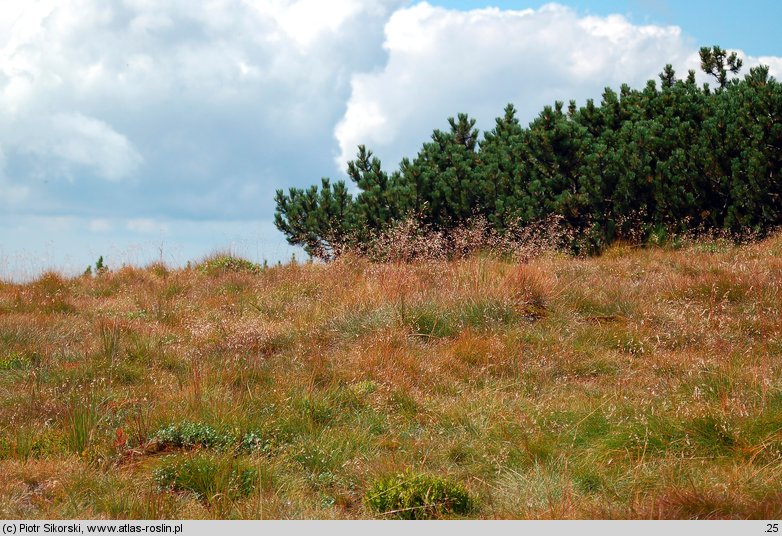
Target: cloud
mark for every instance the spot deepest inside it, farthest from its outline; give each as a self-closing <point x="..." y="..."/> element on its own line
<point x="306" y="20"/>
<point x="146" y="225"/>
<point x="100" y="226"/>
<point x="175" y="109"/>
<point x="442" y="62"/>
<point x="10" y="194"/>
<point x="85" y="141"/>
<point x="774" y="63"/>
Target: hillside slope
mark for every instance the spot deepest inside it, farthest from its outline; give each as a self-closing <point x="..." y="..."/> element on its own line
<point x="644" y="383"/>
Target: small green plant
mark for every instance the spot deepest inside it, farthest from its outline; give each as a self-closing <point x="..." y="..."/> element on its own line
<point x="364" y="388"/>
<point x="712" y="435"/>
<point x="227" y="263"/>
<point x="100" y="268"/>
<point x="588" y="481"/>
<point x="24" y="445"/>
<point x="196" y="435"/>
<point x="110" y="340"/>
<point x="254" y="441"/>
<point x="27" y="442"/>
<point x="403" y="403"/>
<point x="81" y="421"/>
<point x="208" y="478"/>
<point x="192" y="435"/>
<point x="483" y="313"/>
<point x="416" y="496"/>
<point x="15" y="361"/>
<point x="429" y="321"/>
<point x="6" y="448"/>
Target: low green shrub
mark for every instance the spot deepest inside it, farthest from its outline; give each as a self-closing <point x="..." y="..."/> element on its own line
<point x="254" y="442"/>
<point x="17" y="361"/>
<point x="195" y="435"/>
<point x="416" y="496"/>
<point x="227" y="263"/>
<point x="192" y="435"/>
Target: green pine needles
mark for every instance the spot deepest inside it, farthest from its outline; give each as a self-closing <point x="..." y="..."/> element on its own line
<point x="670" y="158"/>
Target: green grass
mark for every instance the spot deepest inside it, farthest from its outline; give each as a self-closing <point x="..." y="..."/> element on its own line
<point x="223" y="263"/>
<point x="645" y="383"/>
<point x="17" y="361"/>
<point x="435" y="321"/>
<point x="81" y="421"/>
<point x="417" y="496"/>
<point x="209" y="478"/>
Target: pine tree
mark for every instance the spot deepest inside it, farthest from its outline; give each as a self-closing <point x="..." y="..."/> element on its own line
<point x="374" y="207"/>
<point x="502" y="164"/>
<point x="441" y="185"/>
<point x="319" y="220"/>
<point x="639" y="163"/>
<point x="718" y="63"/>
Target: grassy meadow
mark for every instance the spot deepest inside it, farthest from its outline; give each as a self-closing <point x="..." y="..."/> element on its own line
<point x="643" y="383"/>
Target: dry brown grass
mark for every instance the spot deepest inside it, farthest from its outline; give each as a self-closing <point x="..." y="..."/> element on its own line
<point x="644" y="383"/>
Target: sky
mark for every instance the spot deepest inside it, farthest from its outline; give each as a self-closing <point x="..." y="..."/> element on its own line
<point x="146" y="130"/>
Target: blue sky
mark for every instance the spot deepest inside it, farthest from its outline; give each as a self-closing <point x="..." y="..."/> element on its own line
<point x="141" y="131"/>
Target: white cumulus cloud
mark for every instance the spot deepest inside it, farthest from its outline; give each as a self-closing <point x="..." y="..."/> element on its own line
<point x="442" y="62"/>
<point x="192" y="109"/>
<point x="90" y="142"/>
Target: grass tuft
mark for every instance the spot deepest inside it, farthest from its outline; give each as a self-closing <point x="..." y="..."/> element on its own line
<point x="209" y="478"/>
<point x="417" y="496"/>
<point x="222" y="263"/>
